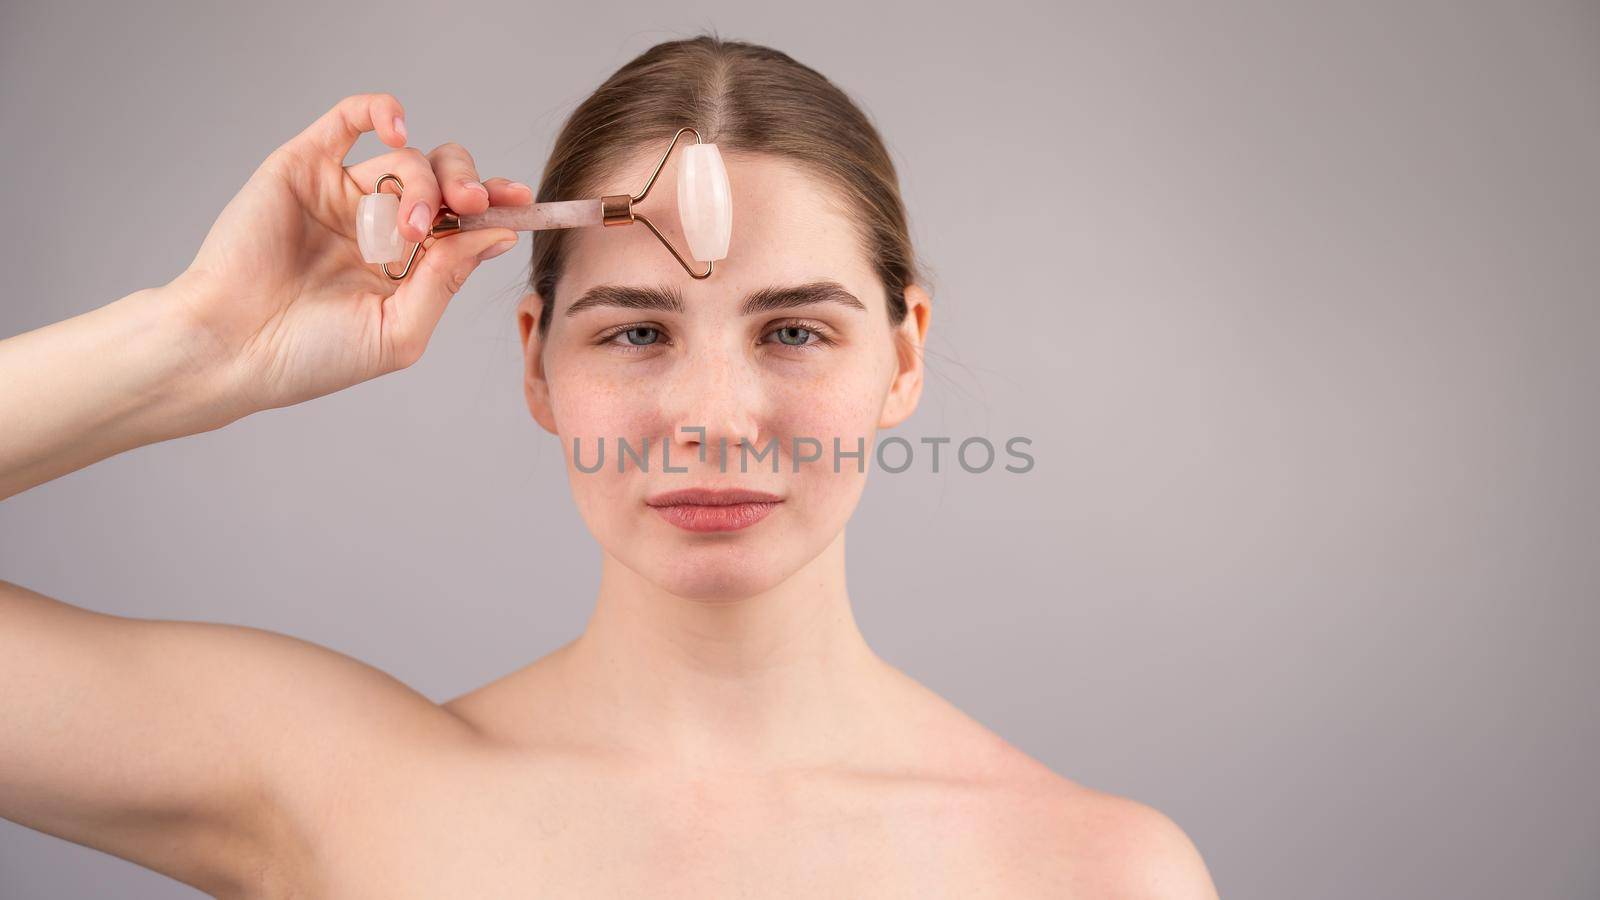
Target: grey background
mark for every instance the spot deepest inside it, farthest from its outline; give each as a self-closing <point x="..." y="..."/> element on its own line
<point x="1297" y="301"/>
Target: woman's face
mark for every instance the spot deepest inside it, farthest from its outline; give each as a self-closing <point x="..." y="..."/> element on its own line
<point x="785" y="348"/>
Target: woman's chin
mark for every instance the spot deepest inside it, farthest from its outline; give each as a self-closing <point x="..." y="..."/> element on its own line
<point x="712" y="574"/>
<point x="712" y="571"/>
<point x="692" y="558"/>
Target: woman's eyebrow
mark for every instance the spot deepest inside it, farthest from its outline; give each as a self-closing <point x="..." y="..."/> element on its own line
<point x="663" y="299"/>
<point x="666" y="299"/>
<point x="770" y="298"/>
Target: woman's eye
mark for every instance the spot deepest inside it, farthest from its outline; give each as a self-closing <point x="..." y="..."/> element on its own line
<point x="800" y="337"/>
<point x="638" y="336"/>
<point x="794" y="335"/>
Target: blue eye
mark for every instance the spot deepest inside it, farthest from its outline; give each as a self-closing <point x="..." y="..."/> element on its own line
<point x="801" y="336"/>
<point x="635" y="338"/>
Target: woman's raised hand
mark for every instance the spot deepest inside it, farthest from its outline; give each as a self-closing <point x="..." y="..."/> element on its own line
<point x="279" y="298"/>
<point x="277" y="307"/>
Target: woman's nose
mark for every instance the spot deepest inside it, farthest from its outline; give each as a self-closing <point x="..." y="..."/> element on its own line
<point x="714" y="400"/>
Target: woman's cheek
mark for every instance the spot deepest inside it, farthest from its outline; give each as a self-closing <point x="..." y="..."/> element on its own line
<point x="592" y="413"/>
<point x="590" y="404"/>
<point x="606" y="498"/>
<point x="838" y="410"/>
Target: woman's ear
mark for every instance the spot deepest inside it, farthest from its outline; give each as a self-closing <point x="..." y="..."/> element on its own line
<point x="909" y="336"/>
<point x="534" y="386"/>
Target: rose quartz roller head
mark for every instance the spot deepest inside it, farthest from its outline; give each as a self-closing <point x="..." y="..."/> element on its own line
<point x="705" y="210"/>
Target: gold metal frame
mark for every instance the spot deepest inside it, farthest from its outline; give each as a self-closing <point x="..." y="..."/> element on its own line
<point x="615" y="209"/>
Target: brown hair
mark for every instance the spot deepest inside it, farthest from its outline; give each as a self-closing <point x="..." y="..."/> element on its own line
<point x="745" y="98"/>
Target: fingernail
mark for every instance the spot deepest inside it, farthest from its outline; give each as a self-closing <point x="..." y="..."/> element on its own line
<point x="496" y="249"/>
<point x="519" y="184"/>
<point x="475" y="186"/>
<point x="400" y="126"/>
<point x="421" y="219"/>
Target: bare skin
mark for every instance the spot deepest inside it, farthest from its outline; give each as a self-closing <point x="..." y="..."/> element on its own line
<point x="720" y="728"/>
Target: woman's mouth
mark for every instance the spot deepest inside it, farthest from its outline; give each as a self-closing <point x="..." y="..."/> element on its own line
<point x="701" y="509"/>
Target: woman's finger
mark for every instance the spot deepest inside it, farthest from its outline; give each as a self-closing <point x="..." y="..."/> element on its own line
<point x="505" y="192"/>
<point x="412" y="312"/>
<point x="419" y="198"/>
<point x="336" y="131"/>
<point x="458" y="179"/>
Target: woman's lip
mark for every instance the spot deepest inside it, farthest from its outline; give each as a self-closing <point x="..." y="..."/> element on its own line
<point x="715" y="517"/>
<point x="708" y="509"/>
<point x="711" y="497"/>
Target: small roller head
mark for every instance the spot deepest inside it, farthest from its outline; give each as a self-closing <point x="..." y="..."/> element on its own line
<point x="705" y="204"/>
<point x="378" y="228"/>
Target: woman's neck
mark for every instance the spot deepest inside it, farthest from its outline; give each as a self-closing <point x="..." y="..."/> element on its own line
<point x="776" y="680"/>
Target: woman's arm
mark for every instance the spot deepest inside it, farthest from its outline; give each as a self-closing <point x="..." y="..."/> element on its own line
<point x="213" y="752"/>
<point x="208" y="752"/>
<point x="276" y="308"/>
<point x="130" y="373"/>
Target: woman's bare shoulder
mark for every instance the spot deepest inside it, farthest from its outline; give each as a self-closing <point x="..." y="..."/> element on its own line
<point x="1079" y="841"/>
<point x="1107" y="845"/>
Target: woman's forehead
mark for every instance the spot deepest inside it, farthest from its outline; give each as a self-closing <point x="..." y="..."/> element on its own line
<point x="789" y="227"/>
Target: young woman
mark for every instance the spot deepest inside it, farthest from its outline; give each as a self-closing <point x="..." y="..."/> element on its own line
<point x="721" y="727"/>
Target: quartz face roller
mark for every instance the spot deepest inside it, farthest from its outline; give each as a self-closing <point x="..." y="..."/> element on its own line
<point x="538" y="217"/>
<point x="705" y="212"/>
<point x="705" y="204"/>
<point x="378" y="222"/>
<point x="378" y="228"/>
